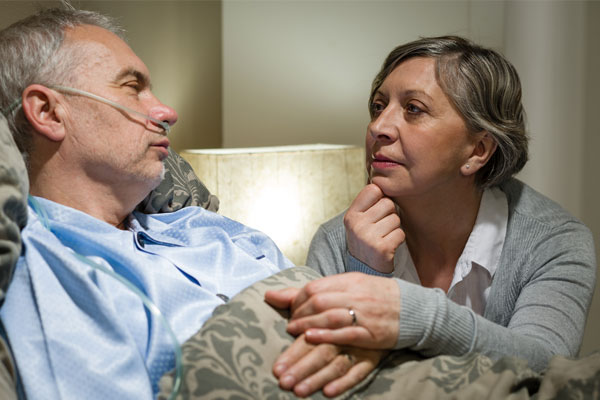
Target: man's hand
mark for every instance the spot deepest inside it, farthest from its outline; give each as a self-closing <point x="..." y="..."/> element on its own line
<point x="320" y="310"/>
<point x="373" y="230"/>
<point x="306" y="368"/>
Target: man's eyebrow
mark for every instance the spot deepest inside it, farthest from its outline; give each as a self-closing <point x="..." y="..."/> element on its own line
<point x="142" y="78"/>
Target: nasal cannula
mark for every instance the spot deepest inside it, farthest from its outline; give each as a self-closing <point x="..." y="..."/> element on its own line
<point x="165" y="125"/>
<point x="71" y="90"/>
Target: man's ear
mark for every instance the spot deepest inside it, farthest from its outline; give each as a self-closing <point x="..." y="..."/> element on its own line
<point x="485" y="146"/>
<point x="43" y="112"/>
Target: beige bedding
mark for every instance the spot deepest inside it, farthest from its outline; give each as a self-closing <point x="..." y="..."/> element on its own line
<point x="232" y="355"/>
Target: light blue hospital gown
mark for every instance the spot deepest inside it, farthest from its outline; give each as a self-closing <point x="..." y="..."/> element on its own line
<point x="78" y="333"/>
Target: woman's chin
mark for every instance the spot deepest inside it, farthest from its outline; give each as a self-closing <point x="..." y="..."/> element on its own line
<point x="397" y="190"/>
<point x="389" y="188"/>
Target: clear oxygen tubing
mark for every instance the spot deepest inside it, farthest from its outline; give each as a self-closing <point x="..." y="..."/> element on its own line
<point x="149" y="304"/>
<point x="70" y="90"/>
<point x="8" y="110"/>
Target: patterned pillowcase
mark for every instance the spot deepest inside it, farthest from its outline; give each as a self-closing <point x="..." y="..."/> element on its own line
<point x="179" y="188"/>
<point x="14" y="186"/>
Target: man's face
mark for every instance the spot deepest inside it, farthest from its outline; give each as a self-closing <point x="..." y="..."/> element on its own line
<point x="113" y="147"/>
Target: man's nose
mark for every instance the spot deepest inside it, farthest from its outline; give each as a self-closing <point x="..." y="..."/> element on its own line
<point x="164" y="113"/>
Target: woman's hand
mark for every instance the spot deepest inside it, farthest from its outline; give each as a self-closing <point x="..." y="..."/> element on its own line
<point x="373" y="230"/>
<point x="306" y="368"/>
<point x="321" y="310"/>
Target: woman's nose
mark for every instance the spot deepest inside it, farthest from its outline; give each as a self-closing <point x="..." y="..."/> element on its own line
<point x="384" y="127"/>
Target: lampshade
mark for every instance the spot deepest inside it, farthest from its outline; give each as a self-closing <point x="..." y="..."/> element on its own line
<point x="286" y="191"/>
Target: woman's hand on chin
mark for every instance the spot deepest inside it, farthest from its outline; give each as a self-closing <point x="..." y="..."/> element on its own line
<point x="373" y="230"/>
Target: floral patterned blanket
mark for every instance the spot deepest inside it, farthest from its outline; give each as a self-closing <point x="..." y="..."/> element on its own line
<point x="231" y="358"/>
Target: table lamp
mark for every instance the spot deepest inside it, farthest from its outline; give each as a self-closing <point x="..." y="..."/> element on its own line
<point x="285" y="191"/>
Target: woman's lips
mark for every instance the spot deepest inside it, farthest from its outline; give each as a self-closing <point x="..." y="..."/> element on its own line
<point x="383" y="162"/>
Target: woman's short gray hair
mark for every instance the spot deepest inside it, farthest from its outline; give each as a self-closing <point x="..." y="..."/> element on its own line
<point x="31" y="52"/>
<point x="485" y="89"/>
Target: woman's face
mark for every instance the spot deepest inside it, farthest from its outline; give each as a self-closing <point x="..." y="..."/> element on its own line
<point x="416" y="141"/>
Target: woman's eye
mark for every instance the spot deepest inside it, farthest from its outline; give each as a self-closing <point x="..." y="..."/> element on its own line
<point x="413" y="109"/>
<point x="376" y="108"/>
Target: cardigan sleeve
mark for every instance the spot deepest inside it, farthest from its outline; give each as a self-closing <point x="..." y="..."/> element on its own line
<point x="327" y="248"/>
<point x="541" y="304"/>
<point x="328" y="253"/>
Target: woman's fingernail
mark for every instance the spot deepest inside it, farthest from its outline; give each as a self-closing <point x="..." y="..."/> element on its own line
<point x="301" y="390"/>
<point x="312" y="333"/>
<point x="279" y="368"/>
<point x="330" y="390"/>
<point x="287" y="382"/>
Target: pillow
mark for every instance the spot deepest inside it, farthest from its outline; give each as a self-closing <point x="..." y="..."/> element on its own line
<point x="179" y="188"/>
<point x="14" y="186"/>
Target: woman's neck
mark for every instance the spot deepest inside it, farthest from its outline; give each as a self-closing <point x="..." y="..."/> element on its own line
<point x="437" y="229"/>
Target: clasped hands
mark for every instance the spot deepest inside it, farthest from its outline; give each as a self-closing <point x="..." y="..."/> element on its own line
<point x="337" y="348"/>
<point x="331" y="353"/>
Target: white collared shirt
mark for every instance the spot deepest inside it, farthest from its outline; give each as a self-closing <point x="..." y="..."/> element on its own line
<point x="478" y="262"/>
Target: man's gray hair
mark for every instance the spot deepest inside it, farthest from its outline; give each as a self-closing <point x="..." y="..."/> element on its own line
<point x="31" y="52"/>
<point x="485" y="89"/>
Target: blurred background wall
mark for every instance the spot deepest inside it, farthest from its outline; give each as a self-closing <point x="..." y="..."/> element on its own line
<point x="302" y="70"/>
<point x="261" y="73"/>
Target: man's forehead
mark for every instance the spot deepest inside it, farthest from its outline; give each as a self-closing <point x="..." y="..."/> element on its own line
<point x="100" y="43"/>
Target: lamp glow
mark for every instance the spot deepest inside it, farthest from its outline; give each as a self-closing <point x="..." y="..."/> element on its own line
<point x="285" y="191"/>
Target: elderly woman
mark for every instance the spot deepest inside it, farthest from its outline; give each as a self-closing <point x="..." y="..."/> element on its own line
<point x="483" y="263"/>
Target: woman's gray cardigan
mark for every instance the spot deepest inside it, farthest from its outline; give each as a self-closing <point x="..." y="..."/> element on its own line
<point x="538" y="301"/>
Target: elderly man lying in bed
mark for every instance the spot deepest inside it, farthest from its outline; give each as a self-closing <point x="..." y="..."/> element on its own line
<point x="79" y="106"/>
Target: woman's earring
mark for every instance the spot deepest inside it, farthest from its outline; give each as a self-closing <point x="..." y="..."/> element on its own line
<point x="467" y="166"/>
